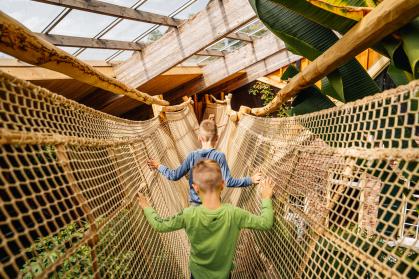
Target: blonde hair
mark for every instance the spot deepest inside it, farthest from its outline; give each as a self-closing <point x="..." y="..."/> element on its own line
<point x="208" y="130"/>
<point x="207" y="175"/>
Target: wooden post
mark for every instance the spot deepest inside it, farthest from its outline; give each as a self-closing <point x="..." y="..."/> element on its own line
<point x="64" y="161"/>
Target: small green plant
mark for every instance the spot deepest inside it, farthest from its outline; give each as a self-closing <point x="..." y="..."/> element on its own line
<point x="267" y="94"/>
<point x="47" y="250"/>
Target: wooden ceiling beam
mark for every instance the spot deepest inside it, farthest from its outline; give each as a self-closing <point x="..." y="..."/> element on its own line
<point x="272" y="82"/>
<point x="216" y="21"/>
<point x="240" y="37"/>
<point x="109" y="9"/>
<point x="210" y="52"/>
<point x="70" y="41"/>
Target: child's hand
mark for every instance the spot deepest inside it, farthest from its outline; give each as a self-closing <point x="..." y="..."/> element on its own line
<point x="144" y="203"/>
<point x="153" y="164"/>
<point x="266" y="188"/>
<point x="256" y="177"/>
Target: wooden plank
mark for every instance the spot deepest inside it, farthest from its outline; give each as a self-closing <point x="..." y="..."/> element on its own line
<point x="70" y="41"/>
<point x="378" y="67"/>
<point x="386" y="18"/>
<point x="37" y="73"/>
<point x="18" y="41"/>
<point x="217" y="20"/>
<point x="240" y="37"/>
<point x="210" y="52"/>
<point x="232" y="63"/>
<point x="109" y="9"/>
<point x="272" y="82"/>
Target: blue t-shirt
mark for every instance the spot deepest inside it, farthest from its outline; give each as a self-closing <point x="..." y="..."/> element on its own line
<point x="190" y="162"/>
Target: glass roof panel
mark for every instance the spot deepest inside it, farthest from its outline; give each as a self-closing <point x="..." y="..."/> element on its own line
<point x="192" y="9"/>
<point x="155" y="34"/>
<point x="36" y="16"/>
<point x="123" y="56"/>
<point x="69" y="50"/>
<point x="127" y="30"/>
<point x="96" y="54"/>
<point x="82" y="24"/>
<point x="162" y="7"/>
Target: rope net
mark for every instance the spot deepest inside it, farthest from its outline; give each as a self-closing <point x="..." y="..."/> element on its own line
<point x="345" y="198"/>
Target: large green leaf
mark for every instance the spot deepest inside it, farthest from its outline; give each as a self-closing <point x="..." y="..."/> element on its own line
<point x="402" y="50"/>
<point x="349" y="82"/>
<point x="343" y="9"/>
<point x="309" y="99"/>
<point x="410" y="38"/>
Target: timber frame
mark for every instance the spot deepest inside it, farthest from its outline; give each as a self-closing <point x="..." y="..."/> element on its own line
<point x="109" y="9"/>
<point x="206" y="27"/>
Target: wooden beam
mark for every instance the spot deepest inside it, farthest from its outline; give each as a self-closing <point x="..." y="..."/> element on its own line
<point x="32" y="73"/>
<point x="18" y="41"/>
<point x="70" y="41"/>
<point x="210" y="52"/>
<point x="104" y="8"/>
<point x="240" y="37"/>
<point x="272" y="82"/>
<point x="232" y="63"/>
<point x="217" y="20"/>
<point x="378" y="67"/>
<point x="383" y="20"/>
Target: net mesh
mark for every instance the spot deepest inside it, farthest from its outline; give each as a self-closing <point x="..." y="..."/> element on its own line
<point x="345" y="198"/>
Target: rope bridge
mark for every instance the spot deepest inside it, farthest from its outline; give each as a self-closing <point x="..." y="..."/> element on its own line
<point x="345" y="198"/>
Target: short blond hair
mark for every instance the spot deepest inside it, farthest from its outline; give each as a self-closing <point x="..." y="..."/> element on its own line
<point x="208" y="130"/>
<point x="207" y="175"/>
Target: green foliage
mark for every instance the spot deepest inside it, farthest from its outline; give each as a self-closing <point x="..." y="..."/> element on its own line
<point x="47" y="250"/>
<point x="401" y="48"/>
<point x="266" y="94"/>
<point x="307" y="38"/>
<point x="264" y="90"/>
<point x="309" y="100"/>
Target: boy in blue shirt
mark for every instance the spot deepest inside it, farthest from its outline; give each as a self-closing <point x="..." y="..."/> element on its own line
<point x="208" y="137"/>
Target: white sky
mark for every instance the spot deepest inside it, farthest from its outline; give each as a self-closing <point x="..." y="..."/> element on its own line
<point x="36" y="16"/>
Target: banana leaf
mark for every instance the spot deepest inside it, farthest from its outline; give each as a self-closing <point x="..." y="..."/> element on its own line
<point x="410" y="38"/>
<point x="336" y="7"/>
<point x="310" y="99"/>
<point x="403" y="50"/>
<point x="309" y="39"/>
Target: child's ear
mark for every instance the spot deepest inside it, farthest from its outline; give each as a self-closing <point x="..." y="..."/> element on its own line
<point x="222" y="185"/>
<point x="196" y="188"/>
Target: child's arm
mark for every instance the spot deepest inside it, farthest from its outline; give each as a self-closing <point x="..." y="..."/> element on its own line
<point x="170" y="174"/>
<point x="160" y="224"/>
<point x="236" y="182"/>
<point x="265" y="220"/>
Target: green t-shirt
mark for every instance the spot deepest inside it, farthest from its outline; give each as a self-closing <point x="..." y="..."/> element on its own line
<point x="213" y="234"/>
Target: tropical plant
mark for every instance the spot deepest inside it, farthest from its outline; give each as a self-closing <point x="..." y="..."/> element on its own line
<point x="341" y="15"/>
<point x="79" y="264"/>
<point x="308" y="28"/>
<point x="266" y="94"/>
<point x="309" y="39"/>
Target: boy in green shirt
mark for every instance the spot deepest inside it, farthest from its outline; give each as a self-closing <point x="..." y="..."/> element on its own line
<point x="212" y="228"/>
